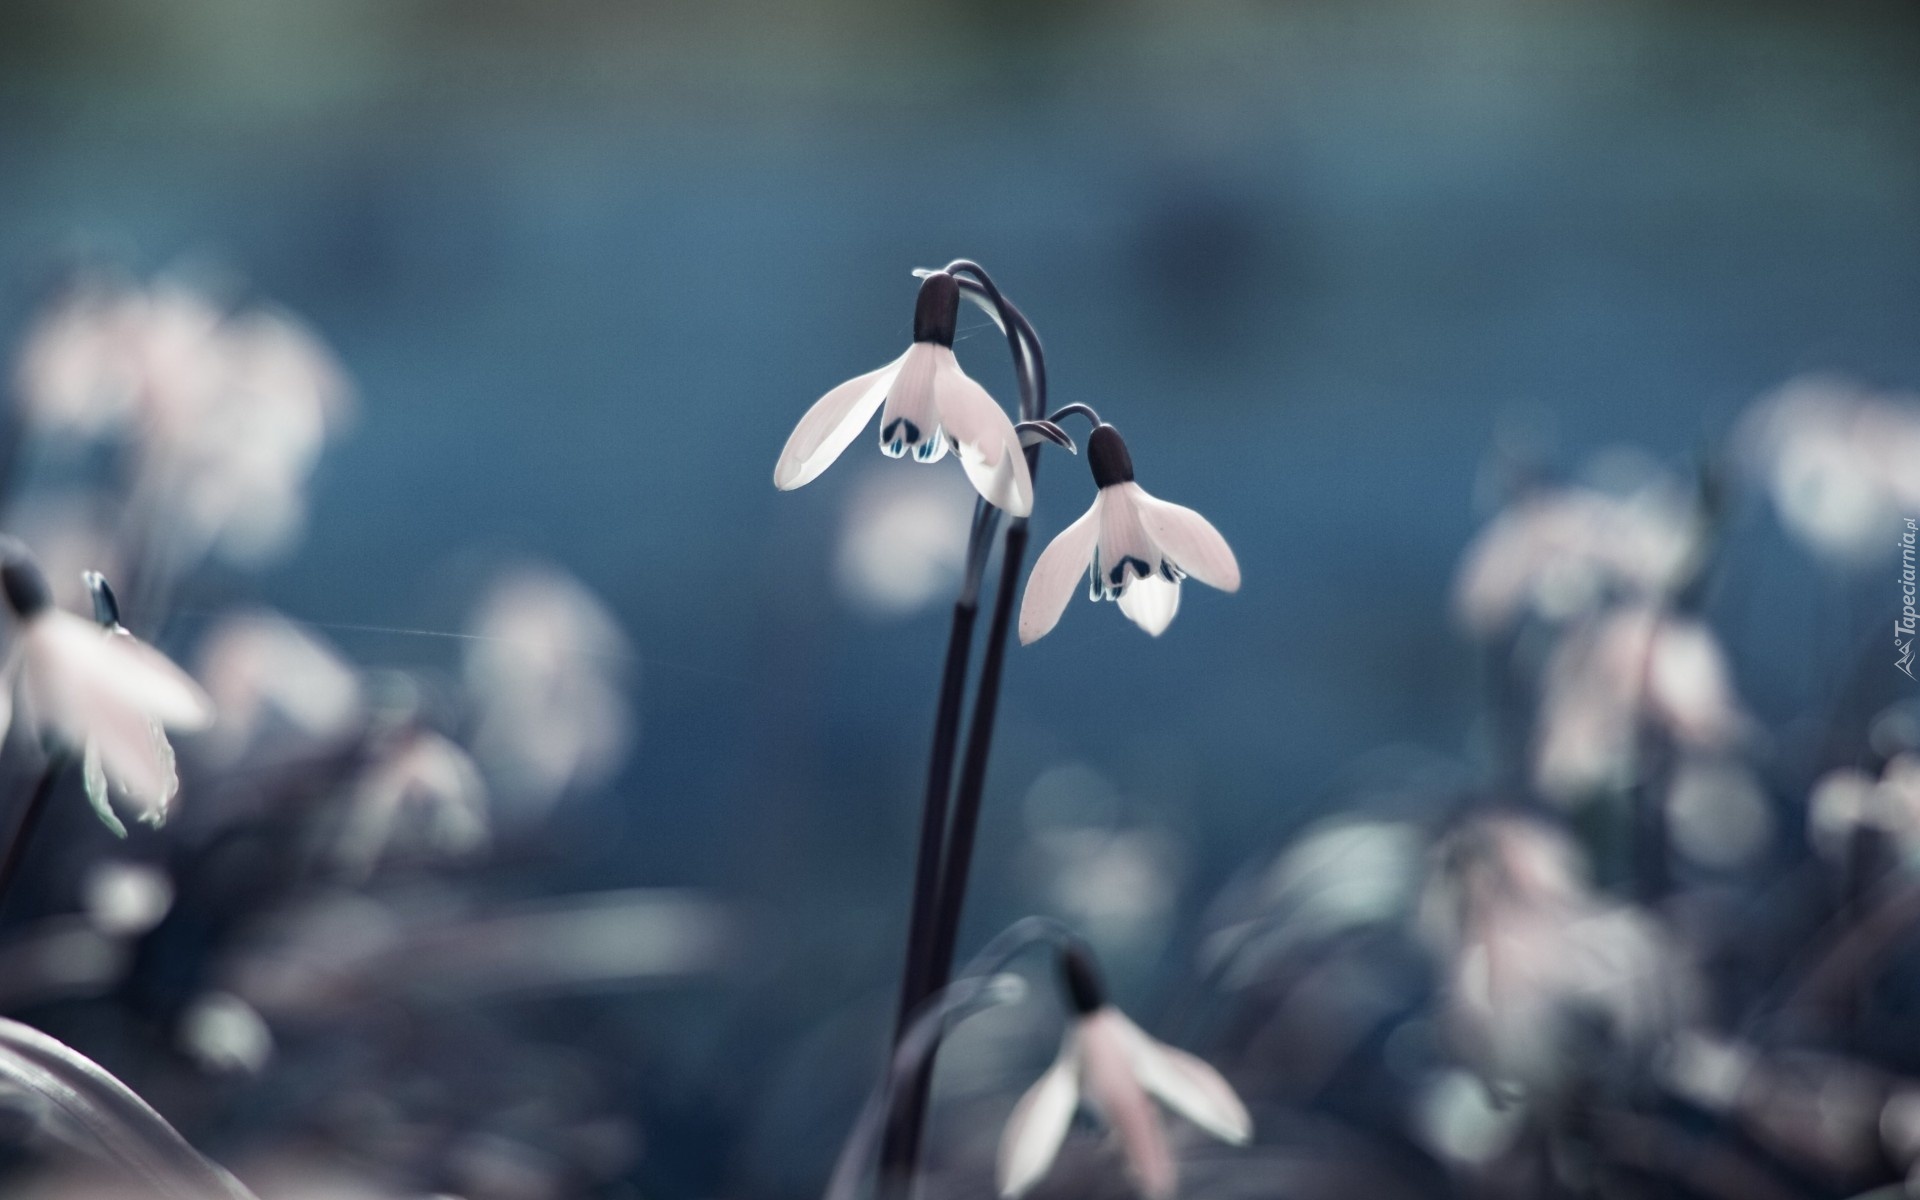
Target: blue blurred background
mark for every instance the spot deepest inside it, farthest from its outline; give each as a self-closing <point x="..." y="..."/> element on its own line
<point x="588" y="263"/>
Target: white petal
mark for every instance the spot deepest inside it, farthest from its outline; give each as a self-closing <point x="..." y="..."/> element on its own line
<point x="135" y="756"/>
<point x="1056" y="573"/>
<point x="157" y="684"/>
<point x="1039" y="1124"/>
<point x="1113" y="1090"/>
<point x="1189" y="1087"/>
<point x="989" y="449"/>
<point x="1126" y="552"/>
<point x="113" y="668"/>
<point x="1150" y="603"/>
<point x="910" y="422"/>
<point x="1186" y="537"/>
<point x="830" y="426"/>
<point x="9" y="679"/>
<point x="93" y="779"/>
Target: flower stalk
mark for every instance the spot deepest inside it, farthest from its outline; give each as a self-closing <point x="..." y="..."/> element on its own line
<point x="927" y="406"/>
<point x="946" y="844"/>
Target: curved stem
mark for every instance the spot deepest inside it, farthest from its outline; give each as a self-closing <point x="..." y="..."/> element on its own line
<point x="1028" y="356"/>
<point x="1076" y="409"/>
<point x="897" y="1106"/>
<point x="946" y="853"/>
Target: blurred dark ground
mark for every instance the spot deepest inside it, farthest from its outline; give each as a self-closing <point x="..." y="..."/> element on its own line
<point x="588" y="263"/>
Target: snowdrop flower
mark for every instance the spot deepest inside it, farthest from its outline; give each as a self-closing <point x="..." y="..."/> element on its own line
<point x="1134" y="548"/>
<point x="1536" y="964"/>
<point x="101" y="691"/>
<point x="1558" y="553"/>
<point x="76" y="374"/>
<point x="424" y="774"/>
<point x="232" y="453"/>
<point x="268" y="675"/>
<point x="930" y="405"/>
<point x="1838" y="460"/>
<point x="546" y="670"/>
<point x="1107" y="1060"/>
<point x="1636" y="668"/>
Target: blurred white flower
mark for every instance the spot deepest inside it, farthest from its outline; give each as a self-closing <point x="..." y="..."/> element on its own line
<point x="427" y="777"/>
<point x="1133" y="547"/>
<point x="78" y="368"/>
<point x="1621" y="674"/>
<point x="545" y="669"/>
<point x="903" y="541"/>
<point x="930" y="404"/>
<point x="1544" y="980"/>
<point x="1839" y="462"/>
<point x="101" y="691"/>
<point x="1847" y="799"/>
<point x="229" y="445"/>
<point x="1111" y="1063"/>
<point x="261" y="668"/>
<point x="1559" y="553"/>
<point x="226" y="411"/>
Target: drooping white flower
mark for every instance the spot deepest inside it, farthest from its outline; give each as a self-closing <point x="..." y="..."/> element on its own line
<point x="76" y="372"/>
<point x="1134" y="548"/>
<point x="1838" y="460"/>
<point x="547" y="671"/>
<point x="930" y="405"/>
<point x="1558" y="553"/>
<point x="1110" y="1064"/>
<point x="268" y="675"/>
<point x="102" y="692"/>
<point x="421" y="775"/>
<point x="1542" y="976"/>
<point x="1633" y="669"/>
<point x="229" y="445"/>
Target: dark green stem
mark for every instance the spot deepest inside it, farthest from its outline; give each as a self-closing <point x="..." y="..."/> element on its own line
<point x="16" y="851"/>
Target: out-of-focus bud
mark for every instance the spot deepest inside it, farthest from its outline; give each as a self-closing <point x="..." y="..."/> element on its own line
<point x="547" y="671"/>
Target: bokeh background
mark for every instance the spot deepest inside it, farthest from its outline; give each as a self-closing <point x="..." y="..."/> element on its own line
<point x="1323" y="261"/>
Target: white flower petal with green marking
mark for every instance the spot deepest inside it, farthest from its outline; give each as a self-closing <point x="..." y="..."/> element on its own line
<point x="927" y="406"/>
<point x="1135" y="548"/>
<point x="1110" y="1064"/>
<point x="103" y="693"/>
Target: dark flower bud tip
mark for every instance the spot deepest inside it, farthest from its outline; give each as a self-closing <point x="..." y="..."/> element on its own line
<point x="25" y="586"/>
<point x="937" y="311"/>
<point x="1107" y="456"/>
<point x="106" y="609"/>
<point x="1085" y="990"/>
